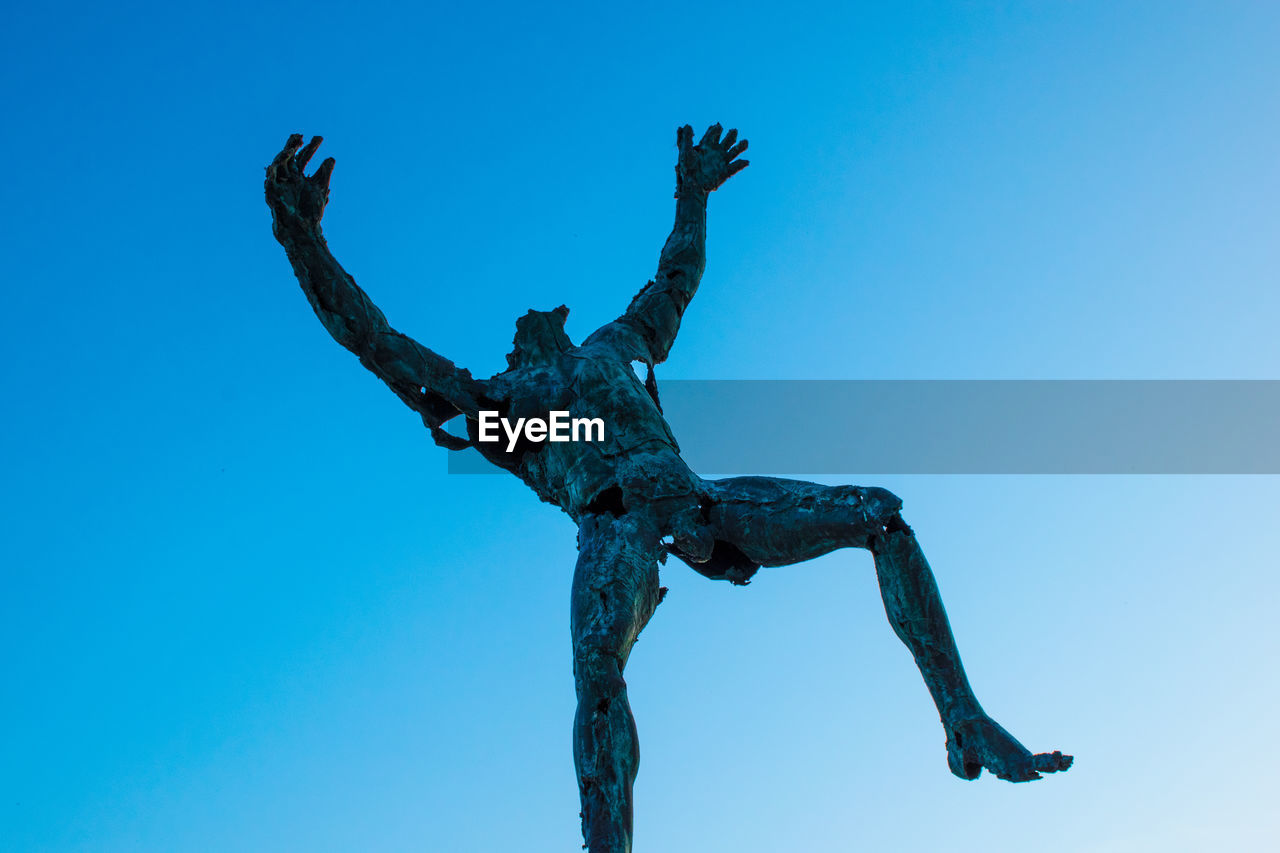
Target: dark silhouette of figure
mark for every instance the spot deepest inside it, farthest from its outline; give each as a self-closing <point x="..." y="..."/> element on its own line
<point x="632" y="496"/>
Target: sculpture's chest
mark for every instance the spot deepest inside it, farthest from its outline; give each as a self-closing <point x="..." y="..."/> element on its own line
<point x="583" y="387"/>
<point x="632" y="450"/>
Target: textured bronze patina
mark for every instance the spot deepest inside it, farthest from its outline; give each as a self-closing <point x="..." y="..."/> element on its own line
<point x="634" y="499"/>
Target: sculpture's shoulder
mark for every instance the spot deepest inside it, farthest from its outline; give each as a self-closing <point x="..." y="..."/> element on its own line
<point x="618" y="341"/>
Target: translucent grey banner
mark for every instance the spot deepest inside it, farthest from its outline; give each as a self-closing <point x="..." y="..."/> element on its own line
<point x="968" y="427"/>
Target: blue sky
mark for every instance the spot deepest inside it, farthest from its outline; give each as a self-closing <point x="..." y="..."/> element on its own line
<point x="243" y="605"/>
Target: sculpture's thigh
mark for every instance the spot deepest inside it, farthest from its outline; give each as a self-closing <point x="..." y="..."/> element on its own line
<point x="777" y="522"/>
<point x="615" y="584"/>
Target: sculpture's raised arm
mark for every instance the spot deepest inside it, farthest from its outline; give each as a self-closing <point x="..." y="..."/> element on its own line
<point x="648" y="328"/>
<point x="428" y="383"/>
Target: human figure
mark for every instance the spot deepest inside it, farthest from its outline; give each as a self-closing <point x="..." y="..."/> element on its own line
<point x="634" y="499"/>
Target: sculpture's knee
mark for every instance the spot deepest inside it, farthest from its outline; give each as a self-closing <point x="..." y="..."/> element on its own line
<point x="880" y="505"/>
<point x="882" y="509"/>
<point x="597" y="673"/>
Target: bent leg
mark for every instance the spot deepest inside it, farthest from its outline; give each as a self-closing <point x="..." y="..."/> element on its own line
<point x="775" y="522"/>
<point x="615" y="591"/>
<point x="915" y="611"/>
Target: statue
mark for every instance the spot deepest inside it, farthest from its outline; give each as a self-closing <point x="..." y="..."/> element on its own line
<point x="634" y="499"/>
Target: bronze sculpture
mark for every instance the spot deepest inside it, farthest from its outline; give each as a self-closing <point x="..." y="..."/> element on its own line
<point x="632" y="496"/>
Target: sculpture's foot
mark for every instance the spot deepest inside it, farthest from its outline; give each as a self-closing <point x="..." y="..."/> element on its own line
<point x="979" y="742"/>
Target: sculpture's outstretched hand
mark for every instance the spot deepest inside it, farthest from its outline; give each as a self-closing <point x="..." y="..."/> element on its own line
<point x="295" y="198"/>
<point x="705" y="166"/>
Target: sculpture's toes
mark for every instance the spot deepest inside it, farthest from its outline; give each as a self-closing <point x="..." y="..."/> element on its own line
<point x="1051" y="762"/>
<point x="1030" y="768"/>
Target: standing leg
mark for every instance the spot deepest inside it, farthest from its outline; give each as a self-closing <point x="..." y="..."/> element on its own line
<point x="615" y="591"/>
<point x="773" y="522"/>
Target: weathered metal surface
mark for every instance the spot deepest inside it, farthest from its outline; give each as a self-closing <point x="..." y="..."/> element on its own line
<point x="633" y="497"/>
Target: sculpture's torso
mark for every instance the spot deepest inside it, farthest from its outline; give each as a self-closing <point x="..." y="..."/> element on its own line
<point x="639" y="455"/>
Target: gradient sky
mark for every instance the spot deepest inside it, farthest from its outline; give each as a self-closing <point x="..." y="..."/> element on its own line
<point x="243" y="607"/>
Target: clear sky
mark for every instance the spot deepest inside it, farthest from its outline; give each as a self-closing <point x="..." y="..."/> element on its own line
<point x="243" y="607"/>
